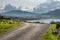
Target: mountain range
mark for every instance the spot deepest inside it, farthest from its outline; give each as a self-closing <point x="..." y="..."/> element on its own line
<point x="18" y="14"/>
<point x="52" y="14"/>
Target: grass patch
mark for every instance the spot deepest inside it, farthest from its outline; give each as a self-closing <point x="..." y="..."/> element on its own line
<point x="48" y="35"/>
<point x="5" y="25"/>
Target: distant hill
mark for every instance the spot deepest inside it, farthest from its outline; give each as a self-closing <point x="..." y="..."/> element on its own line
<point x="20" y="15"/>
<point x="52" y="14"/>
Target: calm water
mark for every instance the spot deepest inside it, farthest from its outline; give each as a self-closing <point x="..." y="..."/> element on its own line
<point x="46" y="20"/>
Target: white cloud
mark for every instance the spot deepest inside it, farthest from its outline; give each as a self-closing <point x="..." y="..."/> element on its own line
<point x="23" y="3"/>
<point x="57" y="0"/>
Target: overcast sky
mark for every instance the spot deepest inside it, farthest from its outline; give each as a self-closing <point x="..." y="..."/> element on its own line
<point x="22" y="3"/>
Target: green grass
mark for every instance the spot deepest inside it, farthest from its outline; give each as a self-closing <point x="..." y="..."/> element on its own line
<point x="5" y="25"/>
<point x="48" y="35"/>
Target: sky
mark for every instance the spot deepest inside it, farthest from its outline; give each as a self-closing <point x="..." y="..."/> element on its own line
<point x="22" y="3"/>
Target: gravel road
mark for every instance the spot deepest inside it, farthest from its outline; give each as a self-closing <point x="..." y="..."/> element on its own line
<point x="29" y="31"/>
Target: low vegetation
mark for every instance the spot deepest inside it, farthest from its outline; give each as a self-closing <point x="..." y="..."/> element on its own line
<point x="6" y="25"/>
<point x="48" y="35"/>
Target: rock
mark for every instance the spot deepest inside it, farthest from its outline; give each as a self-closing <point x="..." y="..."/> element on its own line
<point x="55" y="31"/>
<point x="11" y="22"/>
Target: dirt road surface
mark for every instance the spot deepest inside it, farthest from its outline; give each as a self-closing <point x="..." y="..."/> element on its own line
<point x="29" y="31"/>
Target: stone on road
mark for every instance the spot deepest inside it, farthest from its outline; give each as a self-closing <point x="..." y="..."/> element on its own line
<point x="30" y="31"/>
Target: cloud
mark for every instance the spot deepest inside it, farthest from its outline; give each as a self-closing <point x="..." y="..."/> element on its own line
<point x="23" y="3"/>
